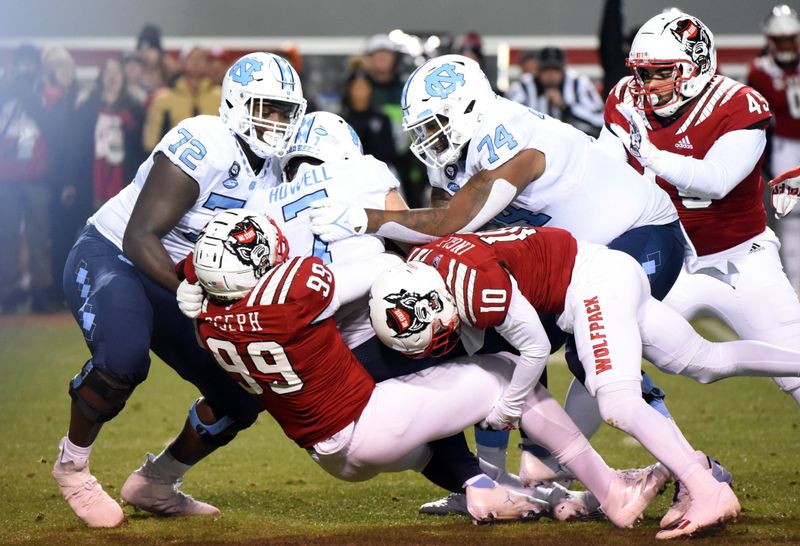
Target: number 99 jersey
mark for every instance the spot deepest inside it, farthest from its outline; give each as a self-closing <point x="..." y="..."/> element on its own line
<point x="726" y="105"/>
<point x="207" y="151"/>
<point x="273" y="343"/>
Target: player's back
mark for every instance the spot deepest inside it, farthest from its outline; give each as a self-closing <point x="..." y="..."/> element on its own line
<point x="581" y="190"/>
<point x="300" y="370"/>
<point x="363" y="181"/>
<point x="713" y="225"/>
<point x="203" y="148"/>
<point x="476" y="268"/>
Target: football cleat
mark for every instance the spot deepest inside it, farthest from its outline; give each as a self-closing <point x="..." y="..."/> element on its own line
<point x="630" y="493"/>
<point x="86" y="496"/>
<point x="533" y="470"/>
<point x="146" y="490"/>
<point x="454" y="503"/>
<point x="577" y="506"/>
<point x="708" y="510"/>
<point x="681" y="500"/>
<point x="498" y="503"/>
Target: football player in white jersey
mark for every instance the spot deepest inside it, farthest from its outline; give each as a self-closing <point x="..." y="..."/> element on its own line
<point x="121" y="285"/>
<point x="493" y="161"/>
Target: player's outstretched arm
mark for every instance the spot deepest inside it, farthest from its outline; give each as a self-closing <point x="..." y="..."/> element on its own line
<point x="167" y="194"/>
<point x="484" y="195"/>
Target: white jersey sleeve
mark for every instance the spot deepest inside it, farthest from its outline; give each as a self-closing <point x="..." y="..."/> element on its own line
<point x="582" y="189"/>
<point x="207" y="151"/>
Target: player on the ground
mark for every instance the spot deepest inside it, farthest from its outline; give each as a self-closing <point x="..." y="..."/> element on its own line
<point x="492" y="160"/>
<point x="776" y="75"/>
<point x="279" y="340"/>
<point x="120" y="284"/>
<point x="501" y="279"/>
<point x="702" y="137"/>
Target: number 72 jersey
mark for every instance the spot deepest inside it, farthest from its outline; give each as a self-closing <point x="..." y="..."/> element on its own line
<point x="726" y="105"/>
<point x="276" y="343"/>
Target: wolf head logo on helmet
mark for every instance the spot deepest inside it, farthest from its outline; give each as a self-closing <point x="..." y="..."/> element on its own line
<point x="249" y="243"/>
<point x="412" y="312"/>
<point x="695" y="41"/>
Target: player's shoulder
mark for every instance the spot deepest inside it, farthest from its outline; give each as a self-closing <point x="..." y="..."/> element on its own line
<point x="300" y="281"/>
<point x="369" y="173"/>
<point x="200" y="144"/>
<point x="738" y="100"/>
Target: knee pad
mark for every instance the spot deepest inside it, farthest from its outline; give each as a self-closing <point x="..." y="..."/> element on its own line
<point x="113" y="391"/>
<point x="219" y="433"/>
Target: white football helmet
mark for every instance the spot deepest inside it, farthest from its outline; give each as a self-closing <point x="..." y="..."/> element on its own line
<point x="412" y="312"/>
<point x="252" y="82"/>
<point x="782" y="29"/>
<point x="671" y="40"/>
<point x="443" y="103"/>
<point x="234" y="250"/>
<point x="323" y="136"/>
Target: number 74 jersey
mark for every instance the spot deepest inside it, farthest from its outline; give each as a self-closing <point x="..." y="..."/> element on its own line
<point x="276" y="343"/>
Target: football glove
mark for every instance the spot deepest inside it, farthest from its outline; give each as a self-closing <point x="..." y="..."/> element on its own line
<point x="785" y="191"/>
<point x="499" y="419"/>
<point x="190" y="298"/>
<point x="333" y="220"/>
<point x="635" y="139"/>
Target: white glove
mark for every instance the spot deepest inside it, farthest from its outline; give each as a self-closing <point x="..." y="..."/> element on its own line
<point x="785" y="192"/>
<point x="333" y="220"/>
<point x="190" y="298"/>
<point x="499" y="419"/>
<point x="635" y="138"/>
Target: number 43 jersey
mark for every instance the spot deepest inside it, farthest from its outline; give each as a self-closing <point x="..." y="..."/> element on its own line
<point x="273" y="344"/>
<point x="726" y="105"/>
<point x="476" y="269"/>
<point x="204" y="148"/>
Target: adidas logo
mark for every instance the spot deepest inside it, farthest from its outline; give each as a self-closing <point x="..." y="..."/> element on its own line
<point x="755" y="248"/>
<point x="684" y="143"/>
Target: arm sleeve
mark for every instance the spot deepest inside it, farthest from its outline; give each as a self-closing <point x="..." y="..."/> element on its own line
<point x="727" y="163"/>
<point x="354" y="279"/>
<point x="523" y="330"/>
<point x="611" y="144"/>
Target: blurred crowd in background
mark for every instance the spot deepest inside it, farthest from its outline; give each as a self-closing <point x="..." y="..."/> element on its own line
<point x="68" y="145"/>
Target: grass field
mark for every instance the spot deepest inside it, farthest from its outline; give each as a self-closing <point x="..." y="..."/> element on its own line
<point x="270" y="492"/>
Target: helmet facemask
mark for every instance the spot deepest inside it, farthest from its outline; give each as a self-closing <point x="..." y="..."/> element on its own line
<point x="648" y="95"/>
<point x="269" y="135"/>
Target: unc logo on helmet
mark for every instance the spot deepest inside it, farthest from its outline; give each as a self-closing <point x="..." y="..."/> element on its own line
<point x="242" y="71"/>
<point x="443" y="82"/>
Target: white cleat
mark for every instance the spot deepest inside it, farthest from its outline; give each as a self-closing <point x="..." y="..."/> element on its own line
<point x="632" y="492"/>
<point x="709" y="510"/>
<point x="681" y="500"/>
<point x="454" y="503"/>
<point x="578" y="506"/>
<point x="86" y="497"/>
<point x="146" y="490"/>
<point x="533" y="470"/>
<point x="501" y="504"/>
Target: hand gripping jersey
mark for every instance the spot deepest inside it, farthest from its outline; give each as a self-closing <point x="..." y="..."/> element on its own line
<point x="726" y="105"/>
<point x="205" y="149"/>
<point x="301" y="371"/>
<point x="781" y="88"/>
<point x="581" y="190"/>
<point x="476" y="269"/>
<point x="362" y="181"/>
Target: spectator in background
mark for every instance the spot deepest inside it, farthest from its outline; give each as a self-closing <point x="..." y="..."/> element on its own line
<point x="373" y="127"/>
<point x="525" y="86"/>
<point x="133" y="66"/>
<point x="111" y="122"/>
<point x="24" y="193"/>
<point x="564" y="94"/>
<point x="776" y="75"/>
<point x="217" y="65"/>
<point x="471" y="45"/>
<point x="194" y="94"/>
<point x="154" y="70"/>
<point x="71" y="199"/>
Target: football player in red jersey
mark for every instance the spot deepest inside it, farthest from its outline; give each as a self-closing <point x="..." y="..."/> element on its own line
<point x="702" y="137"/>
<point x="776" y="75"/>
<point x="268" y="322"/>
<point x="502" y="278"/>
